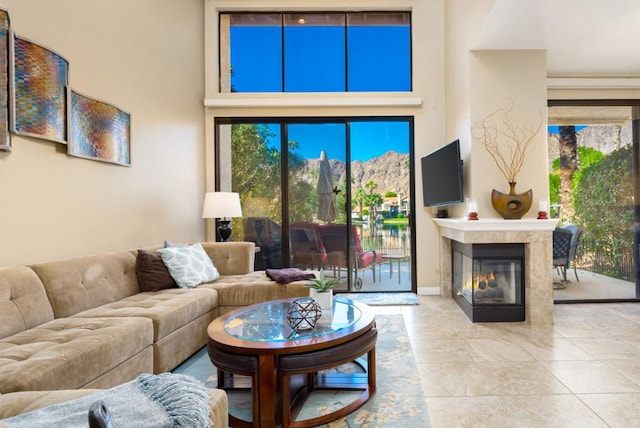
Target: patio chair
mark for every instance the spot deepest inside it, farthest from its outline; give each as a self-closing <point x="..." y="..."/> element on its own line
<point x="355" y="259"/>
<point x="561" y="249"/>
<point x="307" y="249"/>
<point x="575" y="240"/>
<point x="266" y="234"/>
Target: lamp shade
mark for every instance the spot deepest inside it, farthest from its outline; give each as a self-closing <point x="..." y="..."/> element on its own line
<point x="221" y="205"/>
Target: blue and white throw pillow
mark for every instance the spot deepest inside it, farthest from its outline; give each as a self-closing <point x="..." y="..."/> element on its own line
<point x="189" y="266"/>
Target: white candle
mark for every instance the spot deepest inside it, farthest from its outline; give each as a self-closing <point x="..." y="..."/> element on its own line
<point x="473" y="207"/>
<point x="543" y="206"/>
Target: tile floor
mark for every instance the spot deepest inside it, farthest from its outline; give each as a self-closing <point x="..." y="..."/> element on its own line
<point x="583" y="371"/>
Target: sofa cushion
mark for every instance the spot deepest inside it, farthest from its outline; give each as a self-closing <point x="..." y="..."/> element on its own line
<point x="16" y="403"/>
<point x="81" y="283"/>
<point x="70" y="352"/>
<point x="23" y="301"/>
<point x="189" y="265"/>
<point x="231" y="258"/>
<point x="168" y="309"/>
<point x="163" y="400"/>
<point x="251" y="288"/>
<point x="152" y="273"/>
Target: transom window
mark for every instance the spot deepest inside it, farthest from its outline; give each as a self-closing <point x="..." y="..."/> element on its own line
<point x="315" y="52"/>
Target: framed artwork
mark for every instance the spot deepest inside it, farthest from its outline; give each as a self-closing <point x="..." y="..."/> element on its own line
<point x="99" y="130"/>
<point x="5" y="50"/>
<point x="39" y="95"/>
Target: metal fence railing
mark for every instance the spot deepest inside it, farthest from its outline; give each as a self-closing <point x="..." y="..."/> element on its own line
<point x="592" y="257"/>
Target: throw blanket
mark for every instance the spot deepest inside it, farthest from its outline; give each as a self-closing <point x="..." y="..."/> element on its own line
<point x="164" y="400"/>
<point x="287" y="275"/>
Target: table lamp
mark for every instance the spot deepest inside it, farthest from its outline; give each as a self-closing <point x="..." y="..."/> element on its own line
<point x="223" y="206"/>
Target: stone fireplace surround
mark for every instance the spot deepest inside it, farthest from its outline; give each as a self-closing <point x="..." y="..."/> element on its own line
<point x="536" y="235"/>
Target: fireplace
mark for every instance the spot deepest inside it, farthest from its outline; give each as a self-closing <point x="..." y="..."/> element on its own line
<point x="488" y="281"/>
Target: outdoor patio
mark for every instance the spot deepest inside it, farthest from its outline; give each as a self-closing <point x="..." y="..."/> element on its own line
<point x="593" y="286"/>
<point x="389" y="277"/>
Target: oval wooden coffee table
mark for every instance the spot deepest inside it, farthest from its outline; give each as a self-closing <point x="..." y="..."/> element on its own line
<point x="257" y="341"/>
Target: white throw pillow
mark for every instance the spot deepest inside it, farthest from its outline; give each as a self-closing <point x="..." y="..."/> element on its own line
<point x="189" y="266"/>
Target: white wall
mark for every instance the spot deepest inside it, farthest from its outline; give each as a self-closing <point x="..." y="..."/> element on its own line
<point x="145" y="57"/>
<point x="499" y="79"/>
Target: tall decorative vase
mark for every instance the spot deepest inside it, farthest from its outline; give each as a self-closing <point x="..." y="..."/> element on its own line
<point x="323" y="298"/>
<point x="512" y="205"/>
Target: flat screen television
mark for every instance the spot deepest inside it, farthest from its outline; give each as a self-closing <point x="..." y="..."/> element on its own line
<point x="442" y="176"/>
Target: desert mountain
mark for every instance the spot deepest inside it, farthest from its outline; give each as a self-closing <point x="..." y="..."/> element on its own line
<point x="389" y="171"/>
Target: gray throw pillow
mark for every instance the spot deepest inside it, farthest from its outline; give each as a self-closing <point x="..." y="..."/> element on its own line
<point x="189" y="266"/>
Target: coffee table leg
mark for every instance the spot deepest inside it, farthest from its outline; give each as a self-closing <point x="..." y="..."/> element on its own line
<point x="267" y="393"/>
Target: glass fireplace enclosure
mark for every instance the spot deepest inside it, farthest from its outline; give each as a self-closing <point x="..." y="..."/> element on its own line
<point x="488" y="281"/>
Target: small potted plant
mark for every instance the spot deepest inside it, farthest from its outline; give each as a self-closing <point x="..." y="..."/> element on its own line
<point x="321" y="290"/>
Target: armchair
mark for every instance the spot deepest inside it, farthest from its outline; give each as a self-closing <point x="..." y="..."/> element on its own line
<point x="344" y="251"/>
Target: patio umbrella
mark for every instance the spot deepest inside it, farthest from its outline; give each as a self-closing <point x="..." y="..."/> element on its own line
<point x="327" y="210"/>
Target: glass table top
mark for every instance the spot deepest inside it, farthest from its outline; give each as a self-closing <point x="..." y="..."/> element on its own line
<point x="268" y="322"/>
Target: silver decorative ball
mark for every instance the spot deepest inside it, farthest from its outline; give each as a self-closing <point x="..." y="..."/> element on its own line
<point x="303" y="314"/>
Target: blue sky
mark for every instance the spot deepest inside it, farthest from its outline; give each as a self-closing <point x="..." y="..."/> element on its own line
<point x="554" y="129"/>
<point x="316" y="58"/>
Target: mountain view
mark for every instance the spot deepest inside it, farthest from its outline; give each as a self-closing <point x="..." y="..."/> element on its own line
<point x="389" y="171"/>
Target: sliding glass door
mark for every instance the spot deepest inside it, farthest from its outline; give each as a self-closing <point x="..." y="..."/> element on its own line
<point x="324" y="194"/>
<point x="593" y="149"/>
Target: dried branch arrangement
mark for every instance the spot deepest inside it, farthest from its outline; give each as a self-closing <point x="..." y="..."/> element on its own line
<point x="506" y="140"/>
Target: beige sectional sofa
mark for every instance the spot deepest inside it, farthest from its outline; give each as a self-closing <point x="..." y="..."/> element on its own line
<point x="83" y="323"/>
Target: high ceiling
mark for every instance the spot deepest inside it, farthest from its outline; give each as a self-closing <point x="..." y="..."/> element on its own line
<point x="582" y="37"/>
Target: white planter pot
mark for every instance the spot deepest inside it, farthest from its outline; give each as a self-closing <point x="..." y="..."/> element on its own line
<point x="324" y="299"/>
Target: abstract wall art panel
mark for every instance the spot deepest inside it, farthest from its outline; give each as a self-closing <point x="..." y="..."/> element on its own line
<point x="99" y="131"/>
<point x="40" y="91"/>
<point x="5" y="37"/>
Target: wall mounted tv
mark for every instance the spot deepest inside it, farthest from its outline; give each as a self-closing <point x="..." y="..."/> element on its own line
<point x="442" y="176"/>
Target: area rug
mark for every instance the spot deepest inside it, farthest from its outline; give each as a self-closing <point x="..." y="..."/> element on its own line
<point x="383" y="299"/>
<point x="399" y="401"/>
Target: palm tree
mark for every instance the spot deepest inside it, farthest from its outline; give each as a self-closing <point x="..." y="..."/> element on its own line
<point x="568" y="166"/>
<point x="372" y="199"/>
<point x="358" y="197"/>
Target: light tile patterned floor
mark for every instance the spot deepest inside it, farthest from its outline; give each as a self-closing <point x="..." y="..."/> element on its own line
<point x="583" y="371"/>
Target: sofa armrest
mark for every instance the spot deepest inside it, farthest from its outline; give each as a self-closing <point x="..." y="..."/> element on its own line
<point x="231" y="258"/>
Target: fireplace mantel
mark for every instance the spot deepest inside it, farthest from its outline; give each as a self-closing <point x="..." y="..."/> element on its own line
<point x="537" y="237"/>
<point x="495" y="224"/>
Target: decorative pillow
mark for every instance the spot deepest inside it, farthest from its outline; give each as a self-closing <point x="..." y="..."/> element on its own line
<point x="287" y="275"/>
<point x="152" y="273"/>
<point x="189" y="266"/>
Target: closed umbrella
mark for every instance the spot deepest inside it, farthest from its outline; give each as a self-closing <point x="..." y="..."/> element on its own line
<point x="327" y="210"/>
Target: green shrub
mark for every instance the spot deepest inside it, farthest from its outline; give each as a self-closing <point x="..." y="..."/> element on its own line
<point x="603" y="204"/>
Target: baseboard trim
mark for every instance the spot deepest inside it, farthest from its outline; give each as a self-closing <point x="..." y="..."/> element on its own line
<point x="428" y="291"/>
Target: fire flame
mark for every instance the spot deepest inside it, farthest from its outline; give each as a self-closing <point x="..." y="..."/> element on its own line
<point x="481" y="277"/>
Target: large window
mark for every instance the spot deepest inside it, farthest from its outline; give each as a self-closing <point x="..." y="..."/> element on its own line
<point x="324" y="193"/>
<point x="315" y="52"/>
